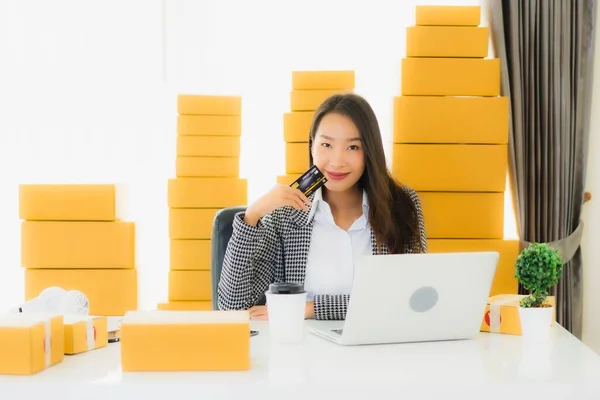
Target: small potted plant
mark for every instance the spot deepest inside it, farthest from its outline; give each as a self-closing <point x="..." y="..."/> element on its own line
<point x="538" y="269"/>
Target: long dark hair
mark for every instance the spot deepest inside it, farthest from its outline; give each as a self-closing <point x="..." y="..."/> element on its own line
<point x="392" y="213"/>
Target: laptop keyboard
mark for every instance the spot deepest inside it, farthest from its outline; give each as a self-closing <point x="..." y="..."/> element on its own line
<point x="338" y="331"/>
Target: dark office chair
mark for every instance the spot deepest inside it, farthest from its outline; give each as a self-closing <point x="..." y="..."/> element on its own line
<point x="222" y="229"/>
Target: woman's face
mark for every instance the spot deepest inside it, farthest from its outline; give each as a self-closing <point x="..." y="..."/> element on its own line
<point x="337" y="151"/>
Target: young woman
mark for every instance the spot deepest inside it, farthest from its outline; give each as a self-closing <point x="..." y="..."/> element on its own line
<point x="286" y="237"/>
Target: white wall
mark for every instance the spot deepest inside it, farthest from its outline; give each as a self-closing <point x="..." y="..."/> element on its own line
<point x="591" y="217"/>
<point x="83" y="100"/>
<point x="89" y="94"/>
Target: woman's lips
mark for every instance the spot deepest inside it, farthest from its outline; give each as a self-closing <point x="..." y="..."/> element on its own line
<point x="336" y="176"/>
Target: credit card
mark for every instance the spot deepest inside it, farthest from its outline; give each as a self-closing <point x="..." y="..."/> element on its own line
<point x="310" y="181"/>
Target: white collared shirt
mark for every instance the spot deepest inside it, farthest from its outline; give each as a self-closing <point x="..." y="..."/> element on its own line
<point x="333" y="251"/>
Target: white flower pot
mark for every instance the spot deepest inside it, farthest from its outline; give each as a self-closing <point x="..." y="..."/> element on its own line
<point x="535" y="321"/>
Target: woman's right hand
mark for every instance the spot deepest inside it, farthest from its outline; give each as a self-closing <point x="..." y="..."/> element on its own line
<point x="279" y="196"/>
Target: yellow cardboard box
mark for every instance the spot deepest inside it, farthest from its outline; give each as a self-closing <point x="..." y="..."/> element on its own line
<point x="310" y="100"/>
<point x="502" y="314"/>
<point x="30" y="343"/>
<point x="287" y="179"/>
<point x="185" y="341"/>
<point x="429" y="76"/>
<point x="77" y="202"/>
<point x="456" y="215"/>
<point x="191" y="223"/>
<point x="296" y="126"/>
<point x="303" y="80"/>
<point x="451" y="167"/>
<point x="208" y="146"/>
<point x="448" y="15"/>
<point x="207" y="192"/>
<point x="190" y="254"/>
<point x="482" y="120"/>
<point x="85" y="333"/>
<point x="185" y="306"/>
<point x="209" y="125"/>
<point x="296" y="158"/>
<point x="206" y="104"/>
<point x="111" y="292"/>
<point x="190" y="285"/>
<point x="447" y="41"/>
<point x="77" y="244"/>
<point x="221" y="167"/>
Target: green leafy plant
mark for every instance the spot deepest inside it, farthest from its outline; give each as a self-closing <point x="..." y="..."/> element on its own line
<point x="539" y="268"/>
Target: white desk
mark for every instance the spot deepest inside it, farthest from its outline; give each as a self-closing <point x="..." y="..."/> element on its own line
<point x="489" y="367"/>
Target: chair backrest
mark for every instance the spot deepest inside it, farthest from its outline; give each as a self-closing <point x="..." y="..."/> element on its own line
<point x="221" y="233"/>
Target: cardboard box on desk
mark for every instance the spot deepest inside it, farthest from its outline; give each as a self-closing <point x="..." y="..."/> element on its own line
<point x="502" y="314"/>
<point x="185" y="306"/>
<point x="30" y="343"/>
<point x="85" y="333"/>
<point x="185" y="341"/>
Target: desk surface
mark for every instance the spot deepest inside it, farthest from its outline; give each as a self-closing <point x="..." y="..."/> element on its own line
<point x="488" y="367"/>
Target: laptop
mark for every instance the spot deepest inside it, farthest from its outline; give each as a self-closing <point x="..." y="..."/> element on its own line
<point x="422" y="297"/>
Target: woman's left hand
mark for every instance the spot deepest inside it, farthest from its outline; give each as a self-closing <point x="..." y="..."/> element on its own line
<point x="309" y="312"/>
<point x="261" y="313"/>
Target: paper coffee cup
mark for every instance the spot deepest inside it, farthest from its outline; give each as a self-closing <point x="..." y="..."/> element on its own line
<point x="287" y="306"/>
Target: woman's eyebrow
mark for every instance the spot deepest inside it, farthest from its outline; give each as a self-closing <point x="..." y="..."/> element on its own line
<point x="354" y="139"/>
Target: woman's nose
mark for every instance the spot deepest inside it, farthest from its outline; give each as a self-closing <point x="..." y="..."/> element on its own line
<point x="337" y="158"/>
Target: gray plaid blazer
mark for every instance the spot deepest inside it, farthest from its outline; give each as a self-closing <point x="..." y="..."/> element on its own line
<point x="276" y="250"/>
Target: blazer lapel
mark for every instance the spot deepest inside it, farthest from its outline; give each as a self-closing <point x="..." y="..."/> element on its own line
<point x="297" y="245"/>
<point x="384" y="248"/>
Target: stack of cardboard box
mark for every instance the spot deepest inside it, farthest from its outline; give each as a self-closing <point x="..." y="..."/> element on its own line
<point x="309" y="90"/>
<point x="72" y="237"/>
<point x="207" y="179"/>
<point x="451" y="135"/>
